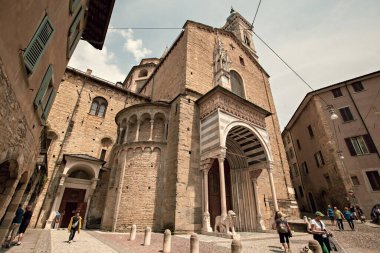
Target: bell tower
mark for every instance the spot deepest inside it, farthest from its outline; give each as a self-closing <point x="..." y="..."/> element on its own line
<point x="242" y="29"/>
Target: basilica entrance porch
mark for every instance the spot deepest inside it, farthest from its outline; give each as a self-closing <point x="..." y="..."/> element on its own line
<point x="235" y="150"/>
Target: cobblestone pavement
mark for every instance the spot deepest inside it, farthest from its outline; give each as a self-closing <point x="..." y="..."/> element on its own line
<point x="252" y="243"/>
<point x="35" y="240"/>
<point x="366" y="238"/>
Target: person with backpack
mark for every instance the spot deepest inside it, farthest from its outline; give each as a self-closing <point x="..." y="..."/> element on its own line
<point x="284" y="231"/>
<point x="330" y="213"/>
<point x="320" y="234"/>
<point x="74" y="226"/>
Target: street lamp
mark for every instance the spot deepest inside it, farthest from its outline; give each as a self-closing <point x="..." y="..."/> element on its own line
<point x="333" y="115"/>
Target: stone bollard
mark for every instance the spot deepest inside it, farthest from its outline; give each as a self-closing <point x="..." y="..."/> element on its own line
<point x="315" y="247"/>
<point x="194" y="243"/>
<point x="167" y="241"/>
<point x="236" y="246"/>
<point x="132" y="236"/>
<point x="147" y="236"/>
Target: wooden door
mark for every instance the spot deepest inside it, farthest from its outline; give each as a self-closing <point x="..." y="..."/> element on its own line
<point x="72" y="201"/>
<point x="214" y="190"/>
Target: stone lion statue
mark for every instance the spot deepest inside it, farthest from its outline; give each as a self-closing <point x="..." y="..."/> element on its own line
<point x="226" y="225"/>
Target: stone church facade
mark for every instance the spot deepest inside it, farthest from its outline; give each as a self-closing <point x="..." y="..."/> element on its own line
<point x="184" y="139"/>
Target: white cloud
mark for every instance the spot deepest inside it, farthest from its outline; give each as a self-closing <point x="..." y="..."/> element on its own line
<point x="132" y="45"/>
<point x="101" y="62"/>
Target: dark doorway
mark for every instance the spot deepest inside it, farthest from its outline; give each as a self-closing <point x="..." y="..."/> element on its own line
<point x="214" y="190"/>
<point x="72" y="201"/>
<point x="312" y="203"/>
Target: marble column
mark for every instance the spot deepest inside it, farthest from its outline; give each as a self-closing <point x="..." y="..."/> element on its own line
<point x="151" y="129"/>
<point x="272" y="187"/>
<point x="125" y="134"/>
<point x="119" y="129"/>
<point x="206" y="215"/>
<point x="137" y="130"/>
<point x="165" y="130"/>
<point x="259" y="217"/>
<point x="223" y="201"/>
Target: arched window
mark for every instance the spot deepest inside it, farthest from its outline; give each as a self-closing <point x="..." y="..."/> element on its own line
<point x="237" y="84"/>
<point x="98" y="107"/>
<point x="143" y="73"/>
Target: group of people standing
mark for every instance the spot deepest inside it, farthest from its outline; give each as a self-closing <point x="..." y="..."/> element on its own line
<point x="349" y="214"/>
<point x="19" y="225"/>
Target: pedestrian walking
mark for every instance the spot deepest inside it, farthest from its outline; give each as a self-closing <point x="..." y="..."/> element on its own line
<point x="74" y="226"/>
<point x="349" y="217"/>
<point x="24" y="223"/>
<point x="12" y="232"/>
<point x="318" y="229"/>
<point x="284" y="231"/>
<point x="353" y="213"/>
<point x="338" y="215"/>
<point x="330" y="213"/>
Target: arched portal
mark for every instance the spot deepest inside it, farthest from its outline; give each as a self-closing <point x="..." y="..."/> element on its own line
<point x="245" y="158"/>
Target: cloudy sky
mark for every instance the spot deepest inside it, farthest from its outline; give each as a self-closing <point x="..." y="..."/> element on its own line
<point x="325" y="41"/>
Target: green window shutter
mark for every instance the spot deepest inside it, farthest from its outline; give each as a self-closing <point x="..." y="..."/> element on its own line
<point x="74" y="5"/>
<point x="37" y="45"/>
<point x="49" y="105"/>
<point x="44" y="85"/>
<point x="73" y="27"/>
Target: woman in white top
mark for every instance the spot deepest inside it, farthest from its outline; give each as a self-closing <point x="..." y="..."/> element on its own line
<point x="318" y="229"/>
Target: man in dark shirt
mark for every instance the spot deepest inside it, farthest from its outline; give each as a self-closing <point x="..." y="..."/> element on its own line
<point x="15" y="225"/>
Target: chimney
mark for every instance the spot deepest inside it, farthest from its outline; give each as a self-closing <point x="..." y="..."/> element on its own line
<point x="88" y="72"/>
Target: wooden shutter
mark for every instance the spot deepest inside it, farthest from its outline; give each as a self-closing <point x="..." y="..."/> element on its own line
<point x="350" y="146"/>
<point x="74" y="25"/>
<point x="371" y="146"/>
<point x="37" y="45"/>
<point x="49" y="105"/>
<point x="74" y="5"/>
<point x="44" y="86"/>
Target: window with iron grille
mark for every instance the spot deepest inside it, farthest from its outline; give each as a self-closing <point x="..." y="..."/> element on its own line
<point x="360" y="145"/>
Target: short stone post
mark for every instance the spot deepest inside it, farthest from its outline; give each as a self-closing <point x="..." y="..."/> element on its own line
<point x="147" y="236"/>
<point x="236" y="246"/>
<point x="308" y="224"/>
<point x="314" y="246"/>
<point x="194" y="243"/>
<point x="167" y="241"/>
<point x="132" y="236"/>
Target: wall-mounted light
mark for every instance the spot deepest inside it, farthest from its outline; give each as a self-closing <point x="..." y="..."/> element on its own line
<point x="340" y="154"/>
<point x="333" y="115"/>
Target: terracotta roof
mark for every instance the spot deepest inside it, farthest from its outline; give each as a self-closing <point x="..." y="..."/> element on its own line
<point x="98" y="17"/>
